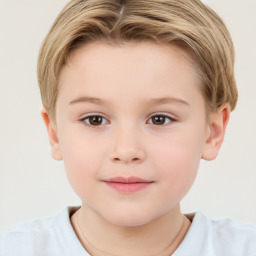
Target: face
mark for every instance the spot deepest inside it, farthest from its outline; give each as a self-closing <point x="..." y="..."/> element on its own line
<point x="131" y="128"/>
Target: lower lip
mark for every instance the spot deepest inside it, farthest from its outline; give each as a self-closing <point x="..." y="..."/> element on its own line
<point x="127" y="188"/>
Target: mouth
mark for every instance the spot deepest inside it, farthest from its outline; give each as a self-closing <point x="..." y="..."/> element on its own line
<point x="127" y="185"/>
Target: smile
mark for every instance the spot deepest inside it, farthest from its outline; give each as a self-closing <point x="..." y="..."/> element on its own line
<point x="127" y="185"/>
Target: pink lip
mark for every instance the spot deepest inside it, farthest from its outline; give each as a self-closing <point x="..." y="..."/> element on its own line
<point x="127" y="185"/>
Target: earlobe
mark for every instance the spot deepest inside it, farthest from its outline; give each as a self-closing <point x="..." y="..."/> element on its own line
<point x="217" y="123"/>
<point x="52" y="135"/>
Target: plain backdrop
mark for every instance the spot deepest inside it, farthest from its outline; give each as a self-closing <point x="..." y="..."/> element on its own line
<point x="32" y="185"/>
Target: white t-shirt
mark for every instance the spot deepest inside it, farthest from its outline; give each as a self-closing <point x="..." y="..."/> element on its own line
<point x="55" y="237"/>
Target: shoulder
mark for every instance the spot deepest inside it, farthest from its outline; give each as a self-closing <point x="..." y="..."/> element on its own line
<point x="229" y="234"/>
<point x="37" y="237"/>
<point x="222" y="237"/>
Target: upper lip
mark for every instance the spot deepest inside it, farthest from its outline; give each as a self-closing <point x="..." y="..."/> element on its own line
<point x="127" y="180"/>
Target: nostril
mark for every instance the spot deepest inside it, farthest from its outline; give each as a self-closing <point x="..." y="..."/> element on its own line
<point x="127" y="156"/>
<point x="126" y="160"/>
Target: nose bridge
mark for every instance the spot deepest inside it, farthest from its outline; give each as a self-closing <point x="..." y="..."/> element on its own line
<point x="127" y="143"/>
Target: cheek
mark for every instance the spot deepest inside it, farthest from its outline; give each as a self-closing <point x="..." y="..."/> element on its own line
<point x="82" y="160"/>
<point x="177" y="160"/>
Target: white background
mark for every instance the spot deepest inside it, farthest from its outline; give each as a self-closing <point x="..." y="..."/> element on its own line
<point x="32" y="185"/>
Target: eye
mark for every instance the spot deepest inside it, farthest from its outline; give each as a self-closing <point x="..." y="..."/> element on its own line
<point x="160" y="119"/>
<point x="94" y="120"/>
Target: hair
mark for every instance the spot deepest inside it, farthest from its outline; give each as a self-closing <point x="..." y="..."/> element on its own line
<point x="188" y="24"/>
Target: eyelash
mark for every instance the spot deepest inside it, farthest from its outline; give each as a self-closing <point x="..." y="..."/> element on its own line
<point x="171" y="119"/>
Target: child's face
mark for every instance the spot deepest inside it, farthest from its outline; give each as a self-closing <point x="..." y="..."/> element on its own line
<point x="148" y="120"/>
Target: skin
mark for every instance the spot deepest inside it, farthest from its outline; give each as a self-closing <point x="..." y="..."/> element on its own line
<point x="129" y="140"/>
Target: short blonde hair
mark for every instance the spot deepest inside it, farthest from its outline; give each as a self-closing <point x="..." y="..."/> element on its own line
<point x="188" y="24"/>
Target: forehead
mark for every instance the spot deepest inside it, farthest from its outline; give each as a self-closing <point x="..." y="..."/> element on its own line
<point x="132" y="69"/>
<point x="101" y="54"/>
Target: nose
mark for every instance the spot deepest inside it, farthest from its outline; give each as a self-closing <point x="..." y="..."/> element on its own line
<point x="127" y="147"/>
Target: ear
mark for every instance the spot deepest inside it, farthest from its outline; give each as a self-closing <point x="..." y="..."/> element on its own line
<point x="52" y="135"/>
<point x="217" y="126"/>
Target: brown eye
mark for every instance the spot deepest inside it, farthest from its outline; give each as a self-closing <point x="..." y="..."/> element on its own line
<point x="160" y="119"/>
<point x="94" y="120"/>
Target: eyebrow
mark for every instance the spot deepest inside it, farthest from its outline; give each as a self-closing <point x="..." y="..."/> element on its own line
<point x="85" y="99"/>
<point x="154" y="101"/>
<point x="166" y="100"/>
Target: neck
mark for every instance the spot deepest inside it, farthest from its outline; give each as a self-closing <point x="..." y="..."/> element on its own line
<point x="159" y="237"/>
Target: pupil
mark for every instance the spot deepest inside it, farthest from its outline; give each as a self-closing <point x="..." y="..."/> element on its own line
<point x="95" y="120"/>
<point x="158" y="119"/>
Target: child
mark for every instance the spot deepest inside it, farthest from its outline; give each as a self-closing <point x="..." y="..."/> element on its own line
<point x="135" y="93"/>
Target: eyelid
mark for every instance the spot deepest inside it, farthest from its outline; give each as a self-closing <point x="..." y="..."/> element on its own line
<point x="90" y="115"/>
<point x="163" y="114"/>
<point x="172" y="119"/>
